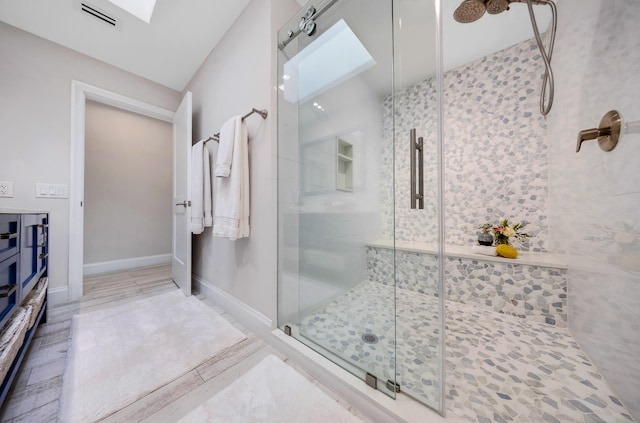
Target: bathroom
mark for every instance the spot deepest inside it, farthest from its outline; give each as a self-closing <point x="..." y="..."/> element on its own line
<point x="359" y="275"/>
<point x="487" y="156"/>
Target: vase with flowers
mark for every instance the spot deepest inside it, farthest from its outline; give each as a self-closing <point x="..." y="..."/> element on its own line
<point x="503" y="232"/>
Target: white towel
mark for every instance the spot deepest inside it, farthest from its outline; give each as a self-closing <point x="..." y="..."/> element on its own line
<point x="206" y="175"/>
<point x="486" y="250"/>
<point x="231" y="215"/>
<point x="225" y="148"/>
<point x="200" y="188"/>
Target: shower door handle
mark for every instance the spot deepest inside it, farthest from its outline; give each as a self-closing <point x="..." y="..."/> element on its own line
<point x="416" y="148"/>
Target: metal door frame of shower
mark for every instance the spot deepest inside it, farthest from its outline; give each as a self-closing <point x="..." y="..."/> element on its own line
<point x="441" y="199"/>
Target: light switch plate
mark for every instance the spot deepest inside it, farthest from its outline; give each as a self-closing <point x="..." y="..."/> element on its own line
<point x="51" y="190"/>
<point x="6" y="189"/>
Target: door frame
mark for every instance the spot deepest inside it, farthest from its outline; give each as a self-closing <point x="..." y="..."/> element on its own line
<point x="80" y="93"/>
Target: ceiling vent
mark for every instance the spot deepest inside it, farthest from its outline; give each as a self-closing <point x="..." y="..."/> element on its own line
<point x="99" y="14"/>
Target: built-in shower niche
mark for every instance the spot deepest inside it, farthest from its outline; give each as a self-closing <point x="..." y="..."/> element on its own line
<point x="327" y="165"/>
<point x="344" y="165"/>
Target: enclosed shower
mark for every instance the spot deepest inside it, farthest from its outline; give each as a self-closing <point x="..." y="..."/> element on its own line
<point x="403" y="127"/>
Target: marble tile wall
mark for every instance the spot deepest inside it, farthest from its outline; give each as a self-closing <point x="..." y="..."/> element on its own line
<point x="416" y="272"/>
<point x="495" y="150"/>
<point x="594" y="196"/>
<point x="536" y="293"/>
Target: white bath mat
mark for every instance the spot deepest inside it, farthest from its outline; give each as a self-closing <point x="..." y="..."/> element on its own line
<point x="271" y="392"/>
<point x="118" y="355"/>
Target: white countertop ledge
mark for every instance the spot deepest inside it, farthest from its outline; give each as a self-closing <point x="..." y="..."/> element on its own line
<point x="524" y="257"/>
<point x="21" y="211"/>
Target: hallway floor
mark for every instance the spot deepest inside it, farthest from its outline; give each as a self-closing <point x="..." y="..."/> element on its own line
<point x="36" y="391"/>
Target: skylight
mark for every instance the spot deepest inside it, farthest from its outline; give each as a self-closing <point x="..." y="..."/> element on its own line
<point x="141" y="9"/>
<point x="332" y="58"/>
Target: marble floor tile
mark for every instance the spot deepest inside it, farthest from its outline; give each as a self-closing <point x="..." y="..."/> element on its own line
<point x="499" y="367"/>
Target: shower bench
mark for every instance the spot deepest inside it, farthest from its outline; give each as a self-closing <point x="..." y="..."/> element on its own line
<point x="532" y="286"/>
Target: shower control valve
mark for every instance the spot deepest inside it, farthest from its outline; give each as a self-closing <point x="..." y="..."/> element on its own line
<point x="608" y="133"/>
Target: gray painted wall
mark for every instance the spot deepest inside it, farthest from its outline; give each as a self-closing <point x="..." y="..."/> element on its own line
<point x="35" y="82"/>
<point x="239" y="75"/>
<point x="128" y="184"/>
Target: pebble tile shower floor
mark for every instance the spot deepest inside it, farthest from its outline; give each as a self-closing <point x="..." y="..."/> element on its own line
<point x="499" y="368"/>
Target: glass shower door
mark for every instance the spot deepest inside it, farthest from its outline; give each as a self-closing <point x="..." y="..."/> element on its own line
<point x="335" y="74"/>
<point x="414" y="116"/>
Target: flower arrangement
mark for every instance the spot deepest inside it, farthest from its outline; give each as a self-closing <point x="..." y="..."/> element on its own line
<point x="503" y="231"/>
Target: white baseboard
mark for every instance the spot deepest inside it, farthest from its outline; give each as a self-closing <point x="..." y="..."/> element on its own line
<point x="57" y="296"/>
<point x="249" y="317"/>
<point x="117" y="265"/>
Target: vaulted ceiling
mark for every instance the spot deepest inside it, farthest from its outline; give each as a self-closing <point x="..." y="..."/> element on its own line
<point x="168" y="50"/>
<point x="182" y="33"/>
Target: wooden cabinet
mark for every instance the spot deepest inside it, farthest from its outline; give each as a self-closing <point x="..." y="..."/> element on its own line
<point x="33" y="251"/>
<point x="24" y="254"/>
<point x="9" y="265"/>
<point x="9" y="235"/>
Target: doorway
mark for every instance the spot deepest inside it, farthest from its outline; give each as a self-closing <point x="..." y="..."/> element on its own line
<point x="80" y="94"/>
<point x="128" y="181"/>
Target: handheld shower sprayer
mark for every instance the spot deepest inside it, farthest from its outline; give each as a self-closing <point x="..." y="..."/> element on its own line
<point x="472" y="10"/>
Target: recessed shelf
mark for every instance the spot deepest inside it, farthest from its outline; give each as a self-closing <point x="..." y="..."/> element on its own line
<point x="344" y="165"/>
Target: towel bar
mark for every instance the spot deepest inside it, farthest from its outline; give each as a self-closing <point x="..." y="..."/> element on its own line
<point x="264" y="113"/>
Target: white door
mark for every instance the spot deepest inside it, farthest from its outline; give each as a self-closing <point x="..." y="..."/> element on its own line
<point x="181" y="254"/>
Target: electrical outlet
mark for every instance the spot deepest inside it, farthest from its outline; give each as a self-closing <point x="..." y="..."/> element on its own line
<point x="6" y="189"/>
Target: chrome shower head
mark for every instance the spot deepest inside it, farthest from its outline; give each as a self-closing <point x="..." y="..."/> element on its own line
<point x="497" y="6"/>
<point x="469" y="11"/>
